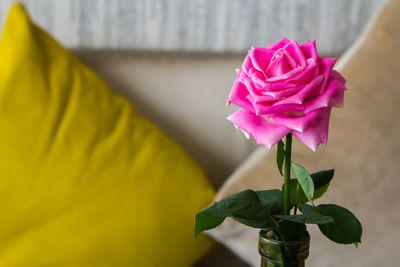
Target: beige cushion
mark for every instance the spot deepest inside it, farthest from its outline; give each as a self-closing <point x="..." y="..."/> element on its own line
<point x="364" y="149"/>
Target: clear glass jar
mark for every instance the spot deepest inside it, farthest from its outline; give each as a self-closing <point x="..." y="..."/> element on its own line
<point x="280" y="253"/>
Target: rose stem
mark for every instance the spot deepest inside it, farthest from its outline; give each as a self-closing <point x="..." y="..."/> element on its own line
<point x="286" y="183"/>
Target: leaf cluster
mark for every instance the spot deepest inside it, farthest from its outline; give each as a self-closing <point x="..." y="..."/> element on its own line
<point x="264" y="210"/>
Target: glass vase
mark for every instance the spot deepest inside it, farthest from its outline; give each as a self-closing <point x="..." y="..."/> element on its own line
<point x="280" y="253"/>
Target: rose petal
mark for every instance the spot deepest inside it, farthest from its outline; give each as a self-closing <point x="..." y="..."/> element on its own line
<point x="325" y="66"/>
<point x="241" y="76"/>
<point x="285" y="76"/>
<point x="300" y="123"/>
<point x="301" y="95"/>
<point x="261" y="108"/>
<point x="300" y="75"/>
<point x="332" y="97"/>
<point x="309" y="50"/>
<point x="283" y="93"/>
<point x="261" y="57"/>
<point x="255" y="95"/>
<point x="245" y="134"/>
<point x="280" y="64"/>
<point x="258" y="80"/>
<point x="317" y="132"/>
<point x="295" y="51"/>
<point x="262" y="85"/>
<point x="247" y="65"/>
<point x="279" y="44"/>
<point x="265" y="132"/>
<point x="337" y="100"/>
<point x="309" y="72"/>
<point x="238" y="94"/>
<point x="335" y="74"/>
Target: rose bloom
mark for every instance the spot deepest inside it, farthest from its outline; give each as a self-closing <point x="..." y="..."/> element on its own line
<point x="286" y="88"/>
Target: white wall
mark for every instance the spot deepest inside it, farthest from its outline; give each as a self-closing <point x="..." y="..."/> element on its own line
<point x="200" y="25"/>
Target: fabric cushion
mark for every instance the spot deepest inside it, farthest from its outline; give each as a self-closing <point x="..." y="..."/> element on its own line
<point x="363" y="148"/>
<point x="84" y="179"/>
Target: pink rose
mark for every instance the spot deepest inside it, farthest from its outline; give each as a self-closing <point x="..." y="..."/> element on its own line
<point x="286" y="88"/>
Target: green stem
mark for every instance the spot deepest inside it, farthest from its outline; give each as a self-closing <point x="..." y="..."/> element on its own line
<point x="277" y="227"/>
<point x="286" y="183"/>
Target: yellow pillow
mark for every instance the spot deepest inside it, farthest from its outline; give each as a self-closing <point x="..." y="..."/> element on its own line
<point x="84" y="179"/>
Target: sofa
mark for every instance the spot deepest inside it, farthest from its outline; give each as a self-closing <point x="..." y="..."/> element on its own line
<point x="184" y="94"/>
<point x="186" y="97"/>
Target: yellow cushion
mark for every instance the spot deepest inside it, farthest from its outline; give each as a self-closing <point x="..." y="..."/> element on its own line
<point x="84" y="179"/>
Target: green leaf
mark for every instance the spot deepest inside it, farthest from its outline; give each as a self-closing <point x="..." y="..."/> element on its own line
<point x="322" y="178"/>
<point x="346" y="228"/>
<point x="321" y="182"/>
<point x="245" y="204"/>
<point x="306" y="209"/>
<point x="297" y="195"/>
<point x="320" y="191"/>
<point x="271" y="200"/>
<point x="248" y="207"/>
<point x="280" y="155"/>
<point x="310" y="215"/>
<point x="305" y="180"/>
<point x="204" y="222"/>
<point x="256" y="223"/>
<point x="311" y="218"/>
<point x="292" y="231"/>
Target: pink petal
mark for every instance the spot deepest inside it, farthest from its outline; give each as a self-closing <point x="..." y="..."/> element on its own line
<point x="285" y="76"/>
<point x="284" y="92"/>
<point x="260" y="57"/>
<point x="337" y="100"/>
<point x="265" y="132"/>
<point x="295" y="51"/>
<point x="238" y="94"/>
<point x="279" y="44"/>
<point x="258" y="80"/>
<point x="261" y="108"/>
<point x="260" y="83"/>
<point x="317" y="132"/>
<point x="255" y="95"/>
<point x="335" y="74"/>
<point x="278" y="86"/>
<point x="332" y="97"/>
<point x="300" y="123"/>
<point x="280" y="64"/>
<point x="309" y="72"/>
<point x="241" y="76"/>
<point x="302" y="94"/>
<point x="309" y="50"/>
<point x="325" y="66"/>
<point x="247" y="65"/>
